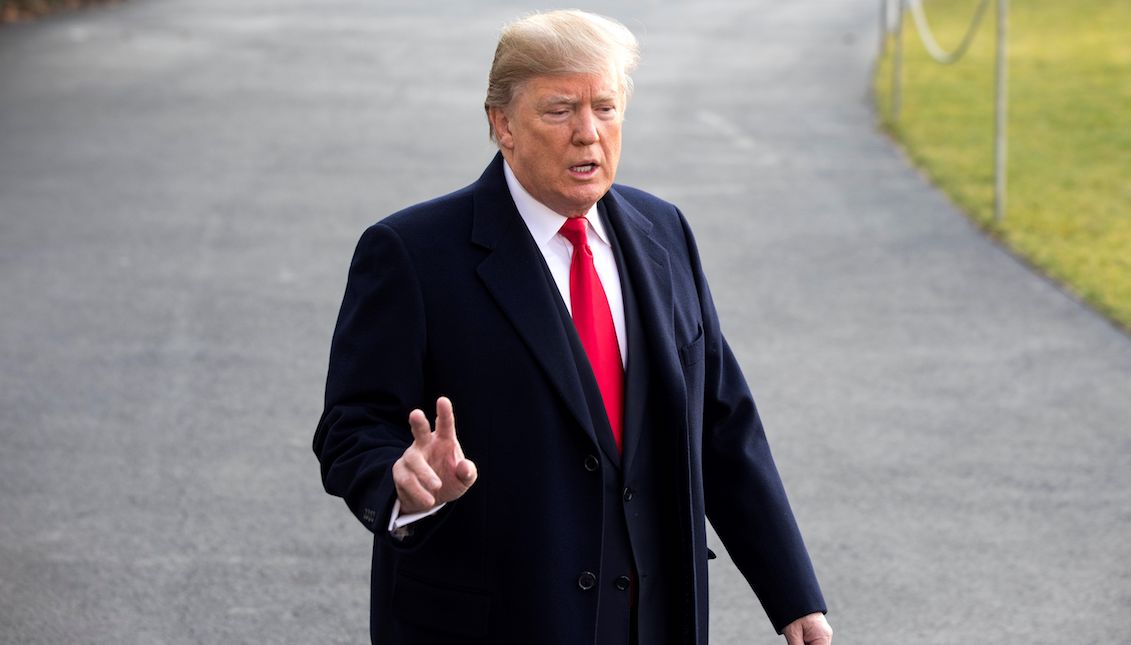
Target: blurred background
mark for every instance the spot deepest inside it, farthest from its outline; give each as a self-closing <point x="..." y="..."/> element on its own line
<point x="946" y="388"/>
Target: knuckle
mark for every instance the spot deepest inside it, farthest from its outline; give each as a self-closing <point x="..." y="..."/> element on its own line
<point x="417" y="493"/>
<point x="414" y="459"/>
<point x="403" y="480"/>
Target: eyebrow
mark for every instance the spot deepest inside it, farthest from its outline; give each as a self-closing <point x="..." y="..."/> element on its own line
<point x="563" y="99"/>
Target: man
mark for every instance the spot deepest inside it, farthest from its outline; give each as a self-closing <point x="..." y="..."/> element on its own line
<point x="602" y="416"/>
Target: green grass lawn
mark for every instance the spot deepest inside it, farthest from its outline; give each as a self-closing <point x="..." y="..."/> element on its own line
<point x="1069" y="193"/>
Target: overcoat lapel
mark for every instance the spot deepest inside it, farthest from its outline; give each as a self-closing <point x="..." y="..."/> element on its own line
<point x="647" y="266"/>
<point x="514" y="274"/>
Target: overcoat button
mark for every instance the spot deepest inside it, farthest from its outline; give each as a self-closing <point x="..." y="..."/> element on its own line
<point x="628" y="493"/>
<point x="622" y="583"/>
<point x="592" y="464"/>
<point x="586" y="581"/>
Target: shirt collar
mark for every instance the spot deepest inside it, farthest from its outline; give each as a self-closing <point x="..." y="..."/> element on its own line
<point x="542" y="221"/>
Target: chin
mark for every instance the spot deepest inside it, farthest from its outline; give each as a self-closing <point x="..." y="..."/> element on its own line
<point x="592" y="194"/>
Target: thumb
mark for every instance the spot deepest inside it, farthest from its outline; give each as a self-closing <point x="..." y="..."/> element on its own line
<point x="467" y="472"/>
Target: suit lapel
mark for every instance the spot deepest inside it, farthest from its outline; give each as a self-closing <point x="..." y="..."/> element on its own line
<point x="514" y="273"/>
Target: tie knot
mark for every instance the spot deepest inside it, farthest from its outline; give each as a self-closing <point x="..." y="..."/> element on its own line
<point x="575" y="230"/>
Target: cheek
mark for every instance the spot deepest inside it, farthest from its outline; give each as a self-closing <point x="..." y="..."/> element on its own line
<point x="612" y="139"/>
<point x="612" y="153"/>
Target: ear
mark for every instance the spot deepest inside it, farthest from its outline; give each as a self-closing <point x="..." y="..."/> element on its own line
<point x="502" y="125"/>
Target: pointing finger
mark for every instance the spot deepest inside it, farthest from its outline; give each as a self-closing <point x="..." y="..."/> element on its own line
<point x="445" y="419"/>
<point x="421" y="431"/>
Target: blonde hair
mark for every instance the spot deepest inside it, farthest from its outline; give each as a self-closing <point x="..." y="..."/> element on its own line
<point x="559" y="42"/>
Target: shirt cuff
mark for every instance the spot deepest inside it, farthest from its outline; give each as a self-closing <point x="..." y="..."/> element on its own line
<point x="400" y="524"/>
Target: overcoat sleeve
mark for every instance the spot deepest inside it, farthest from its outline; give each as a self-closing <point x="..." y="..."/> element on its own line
<point x="743" y="493"/>
<point x="375" y="378"/>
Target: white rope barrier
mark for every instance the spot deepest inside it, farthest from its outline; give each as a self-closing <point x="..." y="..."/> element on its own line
<point x="940" y="55"/>
<point x="932" y="44"/>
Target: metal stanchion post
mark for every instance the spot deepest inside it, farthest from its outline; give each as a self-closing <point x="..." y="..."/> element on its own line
<point x="883" y="29"/>
<point x="1001" y="105"/>
<point x="897" y="64"/>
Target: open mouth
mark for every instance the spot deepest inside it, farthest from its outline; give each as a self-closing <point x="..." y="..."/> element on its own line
<point x="583" y="169"/>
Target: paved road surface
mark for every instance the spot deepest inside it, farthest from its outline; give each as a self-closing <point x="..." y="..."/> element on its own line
<point x="181" y="185"/>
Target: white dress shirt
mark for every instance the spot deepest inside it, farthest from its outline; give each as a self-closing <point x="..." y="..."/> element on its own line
<point x="544" y="225"/>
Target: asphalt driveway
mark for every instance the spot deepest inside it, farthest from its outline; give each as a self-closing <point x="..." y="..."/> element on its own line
<point x="181" y="186"/>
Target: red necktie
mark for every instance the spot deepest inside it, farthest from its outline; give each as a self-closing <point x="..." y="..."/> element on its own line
<point x="594" y="322"/>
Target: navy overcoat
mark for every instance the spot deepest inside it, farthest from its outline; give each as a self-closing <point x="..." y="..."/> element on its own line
<point x="450" y="297"/>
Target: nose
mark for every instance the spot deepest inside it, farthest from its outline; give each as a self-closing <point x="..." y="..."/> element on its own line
<point x="585" y="128"/>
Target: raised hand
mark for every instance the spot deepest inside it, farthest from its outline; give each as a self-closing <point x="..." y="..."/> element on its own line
<point x="433" y="469"/>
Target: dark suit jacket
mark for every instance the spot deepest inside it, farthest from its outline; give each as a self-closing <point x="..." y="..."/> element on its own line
<point x="451" y="297"/>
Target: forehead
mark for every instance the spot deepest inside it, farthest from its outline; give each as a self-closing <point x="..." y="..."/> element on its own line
<point x="572" y="87"/>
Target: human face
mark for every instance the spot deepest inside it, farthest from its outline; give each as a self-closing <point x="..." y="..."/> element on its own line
<point x="561" y="137"/>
